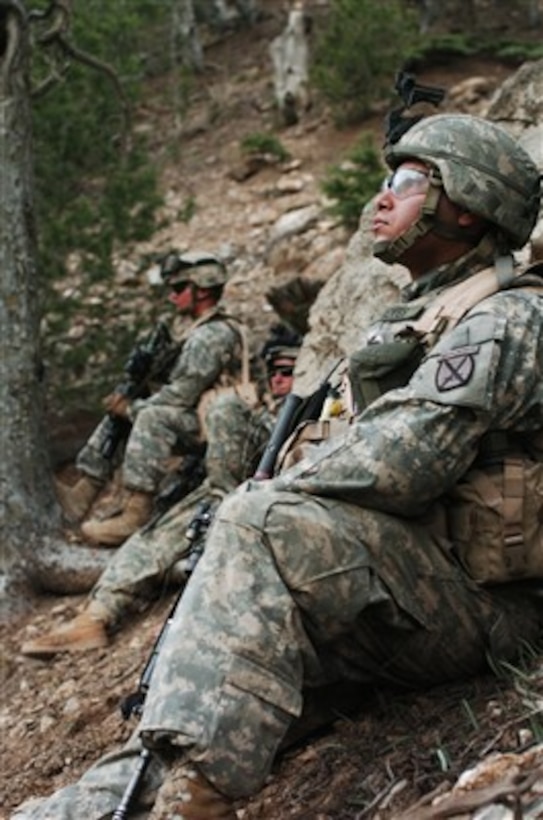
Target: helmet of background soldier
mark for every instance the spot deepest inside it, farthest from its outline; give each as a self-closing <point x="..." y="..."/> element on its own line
<point x="282" y="343"/>
<point x="482" y="169"/>
<point x="203" y="269"/>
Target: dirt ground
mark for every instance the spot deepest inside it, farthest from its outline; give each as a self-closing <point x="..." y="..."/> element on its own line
<point x="374" y="761"/>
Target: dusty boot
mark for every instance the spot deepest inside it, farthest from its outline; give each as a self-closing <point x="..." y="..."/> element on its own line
<point x="187" y="795"/>
<point x="113" y="531"/>
<point x="76" y="501"/>
<point x="85" y="631"/>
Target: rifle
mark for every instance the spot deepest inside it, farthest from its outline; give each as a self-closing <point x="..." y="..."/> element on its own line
<point x="133" y="703"/>
<point x="295" y="409"/>
<point x="195" y="532"/>
<point x="411" y="93"/>
<point x="142" y="361"/>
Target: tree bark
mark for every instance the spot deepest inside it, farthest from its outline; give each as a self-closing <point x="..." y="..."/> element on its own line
<point x="31" y="546"/>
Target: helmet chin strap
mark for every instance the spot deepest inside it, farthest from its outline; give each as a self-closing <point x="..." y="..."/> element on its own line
<point x="390" y="250"/>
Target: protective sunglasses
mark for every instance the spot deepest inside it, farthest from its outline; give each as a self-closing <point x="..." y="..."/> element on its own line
<point x="282" y="370"/>
<point x="406" y="182"/>
<point x="178" y="287"/>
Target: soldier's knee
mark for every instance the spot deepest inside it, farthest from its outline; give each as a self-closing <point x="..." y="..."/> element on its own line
<point x="250" y="505"/>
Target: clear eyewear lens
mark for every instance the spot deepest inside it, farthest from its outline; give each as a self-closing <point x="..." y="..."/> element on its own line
<point x="406" y="182"/>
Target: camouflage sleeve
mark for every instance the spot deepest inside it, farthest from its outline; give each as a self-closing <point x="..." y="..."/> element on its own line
<point x="413" y="444"/>
<point x="211" y="348"/>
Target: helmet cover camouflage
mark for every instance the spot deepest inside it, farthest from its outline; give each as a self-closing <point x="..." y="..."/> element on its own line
<point x="282" y="343"/>
<point x="482" y="167"/>
<point x="205" y="270"/>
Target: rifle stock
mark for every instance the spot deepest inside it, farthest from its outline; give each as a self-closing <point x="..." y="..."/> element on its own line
<point x="283" y="427"/>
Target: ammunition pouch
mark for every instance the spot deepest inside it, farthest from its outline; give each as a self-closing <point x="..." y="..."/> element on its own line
<point x="378" y="368"/>
<point x="496" y="521"/>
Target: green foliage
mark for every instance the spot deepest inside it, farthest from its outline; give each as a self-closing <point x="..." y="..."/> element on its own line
<point x="96" y="184"/>
<point x="91" y="188"/>
<point x="261" y="143"/>
<point x="188" y="210"/>
<point x="359" y="52"/>
<point x="439" y="47"/>
<point x="353" y="183"/>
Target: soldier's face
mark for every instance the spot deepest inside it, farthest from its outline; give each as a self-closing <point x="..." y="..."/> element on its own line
<point x="183" y="298"/>
<point x="399" y="203"/>
<point x="281" y="377"/>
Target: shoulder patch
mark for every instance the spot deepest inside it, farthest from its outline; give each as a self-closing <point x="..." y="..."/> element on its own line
<point x="455" y="368"/>
<point x="461" y="368"/>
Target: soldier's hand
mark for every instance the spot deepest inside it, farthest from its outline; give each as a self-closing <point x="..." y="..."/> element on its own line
<point x="117" y="405"/>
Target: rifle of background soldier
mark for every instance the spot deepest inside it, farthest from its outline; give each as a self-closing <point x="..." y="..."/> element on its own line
<point x="150" y="358"/>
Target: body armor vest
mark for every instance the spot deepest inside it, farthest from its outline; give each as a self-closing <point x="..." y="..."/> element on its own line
<point x="495" y="514"/>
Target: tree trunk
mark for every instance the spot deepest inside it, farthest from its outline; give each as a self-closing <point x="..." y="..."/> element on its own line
<point x="29" y="513"/>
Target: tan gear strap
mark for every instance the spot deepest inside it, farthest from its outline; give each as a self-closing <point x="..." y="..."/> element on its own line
<point x="513" y="495"/>
<point x="450" y="306"/>
<point x="455" y="302"/>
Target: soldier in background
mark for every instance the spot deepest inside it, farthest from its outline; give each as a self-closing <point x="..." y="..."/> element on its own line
<point x="146" y="563"/>
<point x="167" y="422"/>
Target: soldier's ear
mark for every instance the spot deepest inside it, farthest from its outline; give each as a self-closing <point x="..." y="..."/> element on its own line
<point x="469" y="220"/>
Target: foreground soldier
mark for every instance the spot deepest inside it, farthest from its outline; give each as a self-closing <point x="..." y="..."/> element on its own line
<point x="345" y="567"/>
<point x="236" y="436"/>
<point x="167" y="421"/>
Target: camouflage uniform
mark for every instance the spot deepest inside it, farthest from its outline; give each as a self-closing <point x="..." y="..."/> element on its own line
<point x="168" y="419"/>
<point x="236" y="435"/>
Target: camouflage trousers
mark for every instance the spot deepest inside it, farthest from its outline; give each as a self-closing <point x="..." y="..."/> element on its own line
<point x="297" y="591"/>
<point x="141" y="566"/>
<point x="158" y="432"/>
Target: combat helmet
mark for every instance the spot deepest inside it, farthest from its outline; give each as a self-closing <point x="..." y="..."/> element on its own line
<point x="480" y="167"/>
<point x="283" y="342"/>
<point x="203" y="269"/>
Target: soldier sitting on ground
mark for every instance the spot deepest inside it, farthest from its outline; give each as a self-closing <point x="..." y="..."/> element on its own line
<point x="236" y="436"/>
<point x="166" y="422"/>
<point x="408" y="549"/>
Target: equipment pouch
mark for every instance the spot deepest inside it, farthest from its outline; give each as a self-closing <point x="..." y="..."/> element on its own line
<point x="496" y="521"/>
<point x="308" y="433"/>
<point x="378" y="368"/>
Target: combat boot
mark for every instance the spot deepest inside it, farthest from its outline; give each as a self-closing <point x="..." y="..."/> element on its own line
<point x="113" y="531"/>
<point x="86" y="631"/>
<point x="76" y="501"/>
<point x="187" y="795"/>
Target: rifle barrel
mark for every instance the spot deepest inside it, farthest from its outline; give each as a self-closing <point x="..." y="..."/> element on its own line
<point x="123" y="809"/>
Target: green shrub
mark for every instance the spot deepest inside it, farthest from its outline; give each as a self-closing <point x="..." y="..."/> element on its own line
<point x="90" y="190"/>
<point x="353" y="183"/>
<point x="261" y="143"/>
<point x="357" y="55"/>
